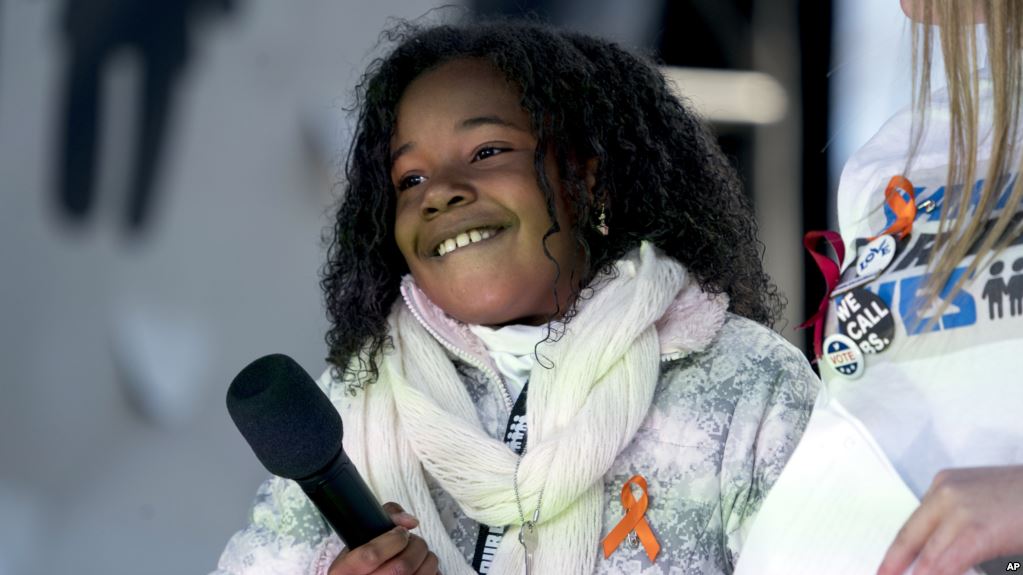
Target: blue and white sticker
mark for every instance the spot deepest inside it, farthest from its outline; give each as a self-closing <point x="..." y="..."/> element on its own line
<point x="873" y="258"/>
<point x="842" y="354"/>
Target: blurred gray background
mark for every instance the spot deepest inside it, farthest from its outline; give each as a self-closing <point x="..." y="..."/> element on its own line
<point x="117" y="343"/>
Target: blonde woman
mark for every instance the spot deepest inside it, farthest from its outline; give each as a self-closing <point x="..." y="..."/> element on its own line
<point x="913" y="459"/>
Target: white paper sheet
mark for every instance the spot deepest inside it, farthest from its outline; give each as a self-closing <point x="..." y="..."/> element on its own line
<point x="836" y="507"/>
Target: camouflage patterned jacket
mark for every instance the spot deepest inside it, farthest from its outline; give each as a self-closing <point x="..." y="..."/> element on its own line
<point x="722" y="424"/>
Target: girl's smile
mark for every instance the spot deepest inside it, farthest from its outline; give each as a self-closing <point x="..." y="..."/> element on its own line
<point x="473" y="237"/>
<point x="470" y="216"/>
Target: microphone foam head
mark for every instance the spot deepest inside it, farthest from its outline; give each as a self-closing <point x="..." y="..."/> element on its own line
<point x="290" y="424"/>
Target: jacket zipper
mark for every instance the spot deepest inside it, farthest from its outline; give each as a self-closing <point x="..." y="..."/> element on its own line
<point x="492" y="377"/>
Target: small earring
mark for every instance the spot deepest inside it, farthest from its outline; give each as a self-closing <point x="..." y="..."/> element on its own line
<point x="602" y="221"/>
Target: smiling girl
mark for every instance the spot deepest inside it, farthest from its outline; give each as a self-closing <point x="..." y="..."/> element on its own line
<point x="547" y="304"/>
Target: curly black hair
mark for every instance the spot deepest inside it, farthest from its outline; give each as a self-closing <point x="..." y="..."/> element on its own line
<point x="660" y="175"/>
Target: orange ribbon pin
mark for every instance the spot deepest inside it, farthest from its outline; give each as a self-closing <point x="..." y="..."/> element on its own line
<point x="905" y="212"/>
<point x="633" y="520"/>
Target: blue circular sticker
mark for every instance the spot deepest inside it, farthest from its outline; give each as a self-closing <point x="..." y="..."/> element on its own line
<point x="842" y="354"/>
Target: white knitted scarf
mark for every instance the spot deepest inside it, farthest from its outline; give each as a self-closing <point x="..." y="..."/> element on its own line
<point x="580" y="414"/>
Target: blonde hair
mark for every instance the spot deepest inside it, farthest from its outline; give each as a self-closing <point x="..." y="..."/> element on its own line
<point x="957" y="30"/>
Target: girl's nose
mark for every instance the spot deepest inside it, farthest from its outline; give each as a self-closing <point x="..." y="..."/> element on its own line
<point x="445" y="193"/>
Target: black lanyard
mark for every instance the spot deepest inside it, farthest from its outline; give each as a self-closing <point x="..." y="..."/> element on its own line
<point x="515" y="438"/>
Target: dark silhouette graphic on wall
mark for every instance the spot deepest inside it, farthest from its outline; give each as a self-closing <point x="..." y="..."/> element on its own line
<point x="94" y="31"/>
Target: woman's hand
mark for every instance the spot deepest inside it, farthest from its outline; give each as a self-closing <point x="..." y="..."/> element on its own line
<point x="966" y="517"/>
<point x="396" y="551"/>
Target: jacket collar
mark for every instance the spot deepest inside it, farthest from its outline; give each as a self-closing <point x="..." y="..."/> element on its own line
<point x="688" y="326"/>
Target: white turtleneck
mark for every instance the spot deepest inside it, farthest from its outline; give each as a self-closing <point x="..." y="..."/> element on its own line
<point x="511" y="348"/>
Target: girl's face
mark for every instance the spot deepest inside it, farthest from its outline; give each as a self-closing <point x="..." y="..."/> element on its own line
<point x="462" y="165"/>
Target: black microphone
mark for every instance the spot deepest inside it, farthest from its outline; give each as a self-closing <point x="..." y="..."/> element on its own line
<point x="296" y="433"/>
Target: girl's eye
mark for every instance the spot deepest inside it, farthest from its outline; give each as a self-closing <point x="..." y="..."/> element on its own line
<point x="409" y="181"/>
<point x="487" y="152"/>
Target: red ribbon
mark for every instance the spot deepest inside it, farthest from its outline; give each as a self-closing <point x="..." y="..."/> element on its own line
<point x="831" y="270"/>
<point x="633" y="520"/>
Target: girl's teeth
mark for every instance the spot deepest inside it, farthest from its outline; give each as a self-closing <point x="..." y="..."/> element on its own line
<point x="463" y="239"/>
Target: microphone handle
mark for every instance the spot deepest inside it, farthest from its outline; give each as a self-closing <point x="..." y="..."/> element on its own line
<point x="346" y="502"/>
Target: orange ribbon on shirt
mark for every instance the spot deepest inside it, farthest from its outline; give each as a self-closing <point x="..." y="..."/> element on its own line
<point x="905" y="212"/>
<point x="633" y="520"/>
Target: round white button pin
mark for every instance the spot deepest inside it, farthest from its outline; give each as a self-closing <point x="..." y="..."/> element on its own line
<point x="842" y="354"/>
<point x="874" y="257"/>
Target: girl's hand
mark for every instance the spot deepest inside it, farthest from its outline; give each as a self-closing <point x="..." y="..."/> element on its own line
<point x="396" y="551"/>
<point x="966" y="517"/>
